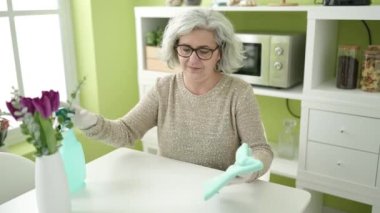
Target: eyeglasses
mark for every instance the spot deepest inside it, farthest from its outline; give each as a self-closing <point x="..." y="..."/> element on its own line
<point x="203" y="53"/>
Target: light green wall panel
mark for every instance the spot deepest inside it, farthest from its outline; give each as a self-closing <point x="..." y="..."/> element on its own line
<point x="106" y="55"/>
<point x="268" y="21"/>
<point x="115" y="55"/>
<point x="85" y="52"/>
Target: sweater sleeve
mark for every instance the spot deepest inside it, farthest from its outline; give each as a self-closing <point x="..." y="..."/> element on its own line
<point x="251" y="130"/>
<point x="132" y="126"/>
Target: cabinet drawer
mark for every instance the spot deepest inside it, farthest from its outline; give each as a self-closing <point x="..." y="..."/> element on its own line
<point x="345" y="130"/>
<point x="341" y="163"/>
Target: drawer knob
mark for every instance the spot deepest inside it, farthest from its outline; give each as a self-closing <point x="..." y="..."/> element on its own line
<point x="341" y="130"/>
<point x="339" y="163"/>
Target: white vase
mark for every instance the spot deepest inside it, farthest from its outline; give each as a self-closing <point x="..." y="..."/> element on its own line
<point x="52" y="191"/>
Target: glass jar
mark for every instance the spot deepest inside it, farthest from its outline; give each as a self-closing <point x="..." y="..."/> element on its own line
<point x="370" y="73"/>
<point x="347" y="67"/>
<point x="287" y="140"/>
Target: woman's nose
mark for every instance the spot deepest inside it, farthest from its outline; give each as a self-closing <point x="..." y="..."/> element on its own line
<point x="194" y="57"/>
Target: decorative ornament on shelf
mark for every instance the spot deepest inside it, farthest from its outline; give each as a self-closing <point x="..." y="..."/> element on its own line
<point x="283" y="3"/>
<point x="193" y="2"/>
<point x="242" y="3"/>
<point x="174" y="2"/>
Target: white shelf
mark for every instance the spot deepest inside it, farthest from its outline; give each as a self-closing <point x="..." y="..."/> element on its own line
<point x="291" y="93"/>
<point x="263" y="8"/>
<point x="345" y="13"/>
<point x="328" y="90"/>
<point x="314" y="12"/>
<point x="284" y="167"/>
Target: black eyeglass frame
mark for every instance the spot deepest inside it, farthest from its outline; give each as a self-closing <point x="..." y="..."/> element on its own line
<point x="196" y="51"/>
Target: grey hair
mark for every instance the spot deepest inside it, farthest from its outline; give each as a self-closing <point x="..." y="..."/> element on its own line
<point x="231" y="48"/>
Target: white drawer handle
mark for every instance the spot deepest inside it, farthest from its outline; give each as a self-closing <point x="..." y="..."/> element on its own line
<point x="341" y="130"/>
<point x="339" y="163"/>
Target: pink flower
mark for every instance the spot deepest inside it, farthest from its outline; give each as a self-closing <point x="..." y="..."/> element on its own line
<point x="53" y="97"/>
<point x="28" y="103"/>
<point x="47" y="104"/>
<point x="12" y="109"/>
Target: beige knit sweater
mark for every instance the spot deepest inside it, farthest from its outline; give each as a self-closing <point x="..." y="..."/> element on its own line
<point x="201" y="129"/>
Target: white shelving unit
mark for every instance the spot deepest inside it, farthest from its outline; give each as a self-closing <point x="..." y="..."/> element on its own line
<point x="324" y="164"/>
<point x="337" y="126"/>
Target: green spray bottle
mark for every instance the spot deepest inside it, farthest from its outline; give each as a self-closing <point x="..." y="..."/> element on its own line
<point x="73" y="160"/>
<point x="71" y="153"/>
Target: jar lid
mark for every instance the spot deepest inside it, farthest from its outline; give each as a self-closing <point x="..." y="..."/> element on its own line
<point x="373" y="53"/>
<point x="374" y="47"/>
<point x="349" y="47"/>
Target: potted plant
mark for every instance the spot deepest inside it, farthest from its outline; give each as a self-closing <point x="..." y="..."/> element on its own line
<point x="154" y="38"/>
<point x="153" y="41"/>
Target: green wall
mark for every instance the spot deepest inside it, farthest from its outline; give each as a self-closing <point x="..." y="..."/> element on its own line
<point x="106" y="55"/>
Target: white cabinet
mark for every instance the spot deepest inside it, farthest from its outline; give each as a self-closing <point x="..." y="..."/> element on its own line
<point x="339" y="150"/>
<point x="340" y="129"/>
<point x="346" y="130"/>
<point x="341" y="163"/>
<point x="339" y="136"/>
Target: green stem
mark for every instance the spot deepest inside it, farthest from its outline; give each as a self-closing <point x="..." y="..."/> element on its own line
<point x="47" y="134"/>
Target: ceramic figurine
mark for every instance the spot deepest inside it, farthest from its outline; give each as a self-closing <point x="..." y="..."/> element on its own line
<point x="174" y="2"/>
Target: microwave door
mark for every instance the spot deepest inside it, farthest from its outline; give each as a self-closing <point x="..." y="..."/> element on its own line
<point x="255" y="70"/>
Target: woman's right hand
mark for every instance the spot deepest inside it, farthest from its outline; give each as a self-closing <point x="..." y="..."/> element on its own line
<point x="81" y="118"/>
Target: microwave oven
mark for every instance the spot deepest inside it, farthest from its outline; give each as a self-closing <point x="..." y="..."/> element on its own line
<point x="273" y="60"/>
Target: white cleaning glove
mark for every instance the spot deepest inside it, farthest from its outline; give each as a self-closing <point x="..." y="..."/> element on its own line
<point x="81" y="118"/>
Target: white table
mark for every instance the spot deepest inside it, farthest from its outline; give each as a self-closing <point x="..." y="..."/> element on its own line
<point x="131" y="181"/>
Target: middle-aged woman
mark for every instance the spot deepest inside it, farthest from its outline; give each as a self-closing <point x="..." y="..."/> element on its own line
<point x="202" y="114"/>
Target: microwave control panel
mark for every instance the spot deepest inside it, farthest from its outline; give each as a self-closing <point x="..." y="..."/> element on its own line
<point x="287" y="53"/>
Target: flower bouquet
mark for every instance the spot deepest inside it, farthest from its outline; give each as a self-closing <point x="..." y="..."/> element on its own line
<point x="42" y="121"/>
<point x="37" y="116"/>
<point x="38" y="122"/>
